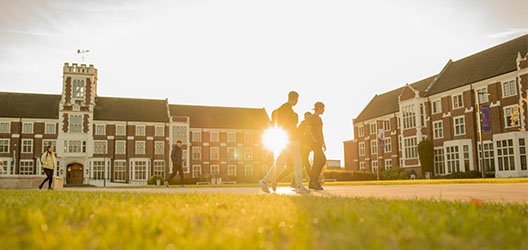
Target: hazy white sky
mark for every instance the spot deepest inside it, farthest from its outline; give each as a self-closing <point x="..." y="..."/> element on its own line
<point x="250" y="53"/>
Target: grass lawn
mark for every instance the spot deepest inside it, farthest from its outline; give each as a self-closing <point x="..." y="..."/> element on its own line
<point x="31" y="219"/>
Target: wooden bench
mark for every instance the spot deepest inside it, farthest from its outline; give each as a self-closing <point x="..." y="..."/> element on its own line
<point x="28" y="182"/>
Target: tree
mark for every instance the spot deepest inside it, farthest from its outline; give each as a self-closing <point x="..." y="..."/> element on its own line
<point x="426" y="154"/>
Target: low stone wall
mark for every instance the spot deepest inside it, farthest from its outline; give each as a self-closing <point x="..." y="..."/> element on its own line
<point x="28" y="182"/>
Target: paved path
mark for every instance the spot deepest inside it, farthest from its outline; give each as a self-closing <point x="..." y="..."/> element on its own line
<point x="488" y="192"/>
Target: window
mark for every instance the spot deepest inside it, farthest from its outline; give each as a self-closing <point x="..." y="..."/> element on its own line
<point x="437" y="106"/>
<point x="27" y="146"/>
<point x="215" y="170"/>
<point x="361" y="148"/>
<point x="438" y="129"/>
<point x="505" y="155"/>
<point x="99" y="147"/>
<point x="159" y="131"/>
<point x="120" y="147"/>
<point x="362" y="166"/>
<point x="119" y="170"/>
<point x="78" y="89"/>
<point x="4" y="145"/>
<point x="248" y="153"/>
<point x="509" y="88"/>
<point x="411" y="149"/>
<point x="422" y="115"/>
<point x="215" y="153"/>
<point x="231" y="153"/>
<point x="214" y="136"/>
<point x="248" y="170"/>
<point x="75" y="146"/>
<point x="179" y="133"/>
<point x="511" y="116"/>
<point x="231" y="136"/>
<point x="98" y="168"/>
<point x="26" y="167"/>
<point x="197" y="153"/>
<point x="46" y="143"/>
<point x="373" y="128"/>
<point x="140" y="147"/>
<point x="452" y="159"/>
<point x="460" y="128"/>
<point x="159" y="168"/>
<point x="231" y="170"/>
<point x="400" y="148"/>
<point x="388" y="164"/>
<point x="100" y="129"/>
<point x="483" y="98"/>
<point x="159" y="148"/>
<point x="4" y="168"/>
<point x="373" y="147"/>
<point x="465" y="151"/>
<point x="27" y="128"/>
<point x="409" y="117"/>
<point x="386" y="125"/>
<point x="76" y="122"/>
<point x="248" y="138"/>
<point x="399" y="122"/>
<point x="489" y="159"/>
<point x="120" y="129"/>
<point x="5" y="127"/>
<point x="196" y="171"/>
<point x="438" y="161"/>
<point x="196" y="136"/>
<point x="184" y="161"/>
<point x="522" y="151"/>
<point x="140" y="170"/>
<point x="388" y="145"/>
<point x="361" y="131"/>
<point x="374" y="165"/>
<point x="140" y="130"/>
<point x="457" y="101"/>
<point x="50" y="128"/>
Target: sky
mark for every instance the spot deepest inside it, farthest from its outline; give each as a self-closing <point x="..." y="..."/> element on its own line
<point x="243" y="53"/>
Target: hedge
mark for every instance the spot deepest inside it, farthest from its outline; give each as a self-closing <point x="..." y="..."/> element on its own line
<point x="343" y="175"/>
<point x="395" y="174"/>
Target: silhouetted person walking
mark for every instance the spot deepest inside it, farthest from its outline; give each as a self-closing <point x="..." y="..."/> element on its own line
<point x="177" y="163"/>
<point x="48" y="163"/>
<point x="319" y="146"/>
<point x="287" y="119"/>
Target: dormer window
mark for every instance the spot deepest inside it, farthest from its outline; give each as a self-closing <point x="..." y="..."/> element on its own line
<point x="78" y="89"/>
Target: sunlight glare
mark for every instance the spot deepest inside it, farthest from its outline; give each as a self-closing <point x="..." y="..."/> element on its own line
<point x="275" y="139"/>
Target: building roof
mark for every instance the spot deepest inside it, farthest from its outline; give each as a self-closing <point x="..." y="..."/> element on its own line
<point x="494" y="61"/>
<point x="130" y="109"/>
<point x="222" y="117"/>
<point x="387" y="103"/>
<point x="26" y="105"/>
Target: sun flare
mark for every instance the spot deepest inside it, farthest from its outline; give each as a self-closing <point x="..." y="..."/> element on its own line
<point x="275" y="139"/>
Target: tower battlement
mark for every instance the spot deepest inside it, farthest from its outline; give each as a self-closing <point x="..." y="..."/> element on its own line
<point x="79" y="69"/>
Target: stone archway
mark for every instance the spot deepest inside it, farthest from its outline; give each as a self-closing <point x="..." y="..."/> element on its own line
<point x="74" y="173"/>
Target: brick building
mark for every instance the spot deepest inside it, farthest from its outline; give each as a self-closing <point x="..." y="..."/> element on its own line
<point x="443" y="108"/>
<point x="107" y="140"/>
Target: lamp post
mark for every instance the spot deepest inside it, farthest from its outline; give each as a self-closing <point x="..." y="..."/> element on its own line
<point x="479" y="124"/>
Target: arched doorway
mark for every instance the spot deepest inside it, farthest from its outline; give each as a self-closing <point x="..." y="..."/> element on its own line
<point x="74" y="173"/>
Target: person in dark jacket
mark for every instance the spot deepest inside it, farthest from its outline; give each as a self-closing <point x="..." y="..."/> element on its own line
<point x="319" y="146"/>
<point x="177" y="163"/>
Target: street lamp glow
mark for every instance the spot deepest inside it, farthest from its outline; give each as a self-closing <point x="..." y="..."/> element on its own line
<point x="275" y="139"/>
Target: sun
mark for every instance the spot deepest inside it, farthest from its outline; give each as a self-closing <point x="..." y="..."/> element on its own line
<point x="275" y="139"/>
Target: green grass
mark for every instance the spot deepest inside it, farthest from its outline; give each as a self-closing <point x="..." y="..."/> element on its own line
<point x="31" y="219"/>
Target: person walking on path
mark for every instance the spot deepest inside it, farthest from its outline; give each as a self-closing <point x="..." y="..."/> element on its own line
<point x="319" y="146"/>
<point x="287" y="119"/>
<point x="47" y="159"/>
<point x="305" y="149"/>
<point x="177" y="163"/>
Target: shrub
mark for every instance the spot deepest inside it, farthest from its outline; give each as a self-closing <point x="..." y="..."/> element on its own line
<point x="461" y="175"/>
<point x="426" y="154"/>
<point x="395" y="174"/>
<point x="343" y="175"/>
<point x="152" y="180"/>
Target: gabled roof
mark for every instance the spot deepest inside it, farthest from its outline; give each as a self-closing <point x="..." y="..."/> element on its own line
<point x="494" y="61"/>
<point x="222" y="117"/>
<point x="387" y="103"/>
<point x="130" y="109"/>
<point x="26" y="105"/>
